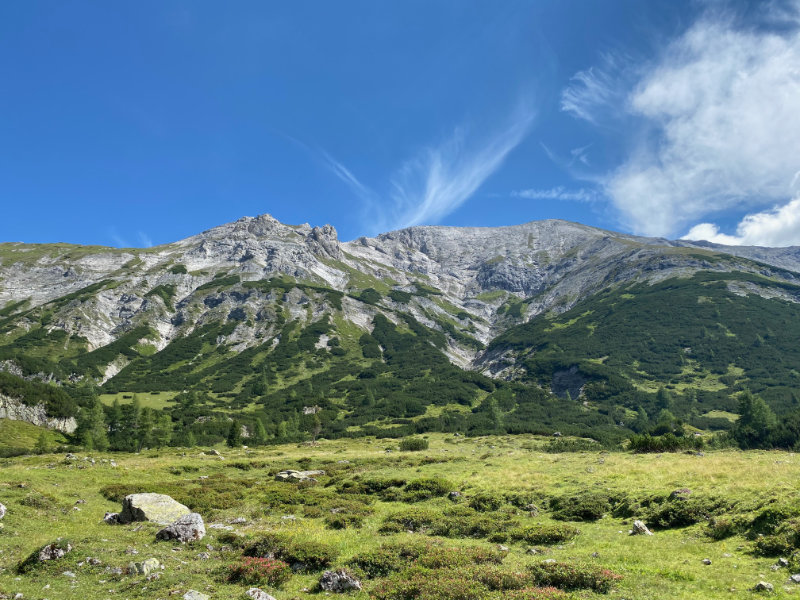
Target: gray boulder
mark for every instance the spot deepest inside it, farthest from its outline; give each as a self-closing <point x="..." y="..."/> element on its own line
<point x="291" y="475"/>
<point x="258" y="594"/>
<point x="146" y="567"/>
<point x="639" y="528"/>
<point x="763" y="586"/>
<point x="54" y="551"/>
<point x="2" y="511"/>
<point x="195" y="595"/>
<point x="338" y="581"/>
<point x="189" y="528"/>
<point x="158" y="508"/>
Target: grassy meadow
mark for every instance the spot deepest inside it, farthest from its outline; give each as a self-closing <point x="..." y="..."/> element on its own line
<point x="572" y="507"/>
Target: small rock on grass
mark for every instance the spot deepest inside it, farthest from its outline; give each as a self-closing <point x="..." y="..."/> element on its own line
<point x="338" y="581"/>
<point x="258" y="594"/>
<point x="195" y="595"/>
<point x="763" y="586"/>
<point x="639" y="528"/>
<point x="2" y="511"/>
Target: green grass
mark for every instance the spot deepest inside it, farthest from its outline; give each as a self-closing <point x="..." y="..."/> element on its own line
<point x="19" y="434"/>
<point x="666" y="565"/>
<point x="146" y="399"/>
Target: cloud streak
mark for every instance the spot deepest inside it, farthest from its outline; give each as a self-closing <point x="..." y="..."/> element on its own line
<point x="558" y="193"/>
<point x="439" y="180"/>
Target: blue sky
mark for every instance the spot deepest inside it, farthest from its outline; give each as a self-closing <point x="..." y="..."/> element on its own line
<point x="140" y="123"/>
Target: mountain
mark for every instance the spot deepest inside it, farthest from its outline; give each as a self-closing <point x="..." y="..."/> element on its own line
<point x="533" y="327"/>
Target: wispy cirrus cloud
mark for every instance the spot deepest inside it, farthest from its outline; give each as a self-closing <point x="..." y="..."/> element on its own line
<point x="594" y="94"/>
<point x="558" y="193"/>
<point x="145" y="240"/>
<point x="346" y="176"/>
<point x="439" y="179"/>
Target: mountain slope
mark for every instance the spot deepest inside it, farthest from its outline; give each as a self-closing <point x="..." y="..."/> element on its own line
<point x="423" y="328"/>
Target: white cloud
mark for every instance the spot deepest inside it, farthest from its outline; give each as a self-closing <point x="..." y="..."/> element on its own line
<point x="777" y="227"/>
<point x="442" y="178"/>
<point x="557" y="193"/>
<point x="716" y="121"/>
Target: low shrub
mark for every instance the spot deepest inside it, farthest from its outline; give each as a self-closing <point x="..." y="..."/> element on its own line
<point x="312" y="554"/>
<point x="260" y="571"/>
<point x="678" y="512"/>
<point x="413" y="444"/>
<point x="569" y="576"/>
<point x="412" y="519"/>
<point x="785" y="541"/>
<point x="486" y="502"/>
<point x="441" y="584"/>
<point x="390" y="558"/>
<point x="544" y="533"/>
<point x="344" y="521"/>
<point x="426" y="488"/>
<point x="535" y="593"/>
<point x="720" y="528"/>
<point x="581" y="507"/>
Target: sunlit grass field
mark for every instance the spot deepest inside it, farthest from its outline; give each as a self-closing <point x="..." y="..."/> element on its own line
<point x="42" y="494"/>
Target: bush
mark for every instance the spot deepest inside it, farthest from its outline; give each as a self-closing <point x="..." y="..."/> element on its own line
<point x="535" y="593"/>
<point x="413" y="444"/>
<point x="430" y="486"/>
<point x="344" y="521"/>
<point x="314" y="555"/>
<point x="412" y="519"/>
<point x="581" y="507"/>
<point x="679" y="512"/>
<point x="544" y="533"/>
<point x="486" y="502"/>
<point x="443" y="584"/>
<point x="260" y="571"/>
<point x="390" y="558"/>
<point x="569" y="576"/>
<point x="785" y="541"/>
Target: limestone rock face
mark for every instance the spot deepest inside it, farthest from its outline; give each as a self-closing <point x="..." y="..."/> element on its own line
<point x="15" y="410"/>
<point x="189" y="528"/>
<point x="159" y="508"/>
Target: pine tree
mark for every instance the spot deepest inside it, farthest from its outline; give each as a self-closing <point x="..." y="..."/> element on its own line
<point x="42" y="443"/>
<point x="92" y="431"/>
<point x="259" y="437"/>
<point x="234" y="435"/>
<point x="145" y="432"/>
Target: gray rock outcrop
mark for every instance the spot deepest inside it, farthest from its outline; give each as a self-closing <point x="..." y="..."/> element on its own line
<point x="54" y="551"/>
<point x="298" y="476"/>
<point x="338" y="581"/>
<point x="159" y="508"/>
<point x="145" y="567"/>
<point x="189" y="528"/>
<point x="15" y="410"/>
<point x="195" y="595"/>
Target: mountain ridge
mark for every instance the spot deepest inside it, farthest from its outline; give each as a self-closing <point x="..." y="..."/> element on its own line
<point x="255" y="313"/>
